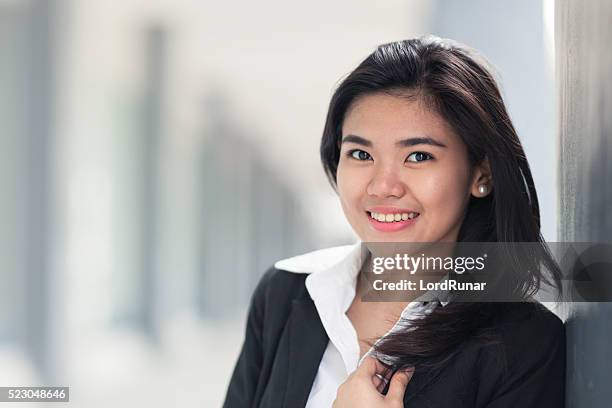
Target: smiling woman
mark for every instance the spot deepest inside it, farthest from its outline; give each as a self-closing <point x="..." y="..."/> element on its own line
<point x="420" y="149"/>
<point x="391" y="167"/>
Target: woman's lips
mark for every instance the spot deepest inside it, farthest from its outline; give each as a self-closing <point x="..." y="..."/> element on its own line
<point x="392" y="226"/>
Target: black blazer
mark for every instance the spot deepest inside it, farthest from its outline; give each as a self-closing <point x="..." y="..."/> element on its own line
<point x="285" y="342"/>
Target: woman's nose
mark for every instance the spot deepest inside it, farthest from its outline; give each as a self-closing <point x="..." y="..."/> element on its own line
<point x="386" y="183"/>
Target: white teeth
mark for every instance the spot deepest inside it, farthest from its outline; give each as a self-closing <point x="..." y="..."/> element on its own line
<point x="393" y="217"/>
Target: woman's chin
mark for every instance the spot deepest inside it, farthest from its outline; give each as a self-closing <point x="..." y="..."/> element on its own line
<point x="390" y="237"/>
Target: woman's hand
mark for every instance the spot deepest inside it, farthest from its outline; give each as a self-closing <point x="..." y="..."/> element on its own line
<point x="360" y="388"/>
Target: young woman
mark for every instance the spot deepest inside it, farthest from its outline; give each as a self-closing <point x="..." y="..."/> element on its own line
<point x="420" y="148"/>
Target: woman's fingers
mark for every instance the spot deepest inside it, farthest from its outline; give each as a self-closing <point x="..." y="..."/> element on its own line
<point x="377" y="380"/>
<point x="363" y="388"/>
<point x="369" y="367"/>
<point x="398" y="385"/>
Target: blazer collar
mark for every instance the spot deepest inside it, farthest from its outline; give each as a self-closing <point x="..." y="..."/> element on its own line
<point x="330" y="283"/>
<point x="317" y="261"/>
<point x="333" y="270"/>
<point x="307" y="343"/>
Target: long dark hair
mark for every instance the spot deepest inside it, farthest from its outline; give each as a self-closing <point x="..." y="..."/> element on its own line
<point x="455" y="82"/>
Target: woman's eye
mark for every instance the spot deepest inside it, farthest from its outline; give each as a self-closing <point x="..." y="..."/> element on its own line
<point x="360" y="155"/>
<point x="419" y="157"/>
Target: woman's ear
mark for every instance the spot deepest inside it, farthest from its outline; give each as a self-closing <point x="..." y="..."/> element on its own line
<point x="482" y="180"/>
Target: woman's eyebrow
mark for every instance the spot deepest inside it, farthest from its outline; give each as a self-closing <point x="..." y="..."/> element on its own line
<point x="357" y="140"/>
<point x="413" y="141"/>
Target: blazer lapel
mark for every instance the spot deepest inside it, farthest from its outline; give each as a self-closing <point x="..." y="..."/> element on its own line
<point x="307" y="343"/>
<point x="417" y="382"/>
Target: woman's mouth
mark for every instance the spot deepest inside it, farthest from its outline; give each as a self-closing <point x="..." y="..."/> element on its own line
<point x="391" y="222"/>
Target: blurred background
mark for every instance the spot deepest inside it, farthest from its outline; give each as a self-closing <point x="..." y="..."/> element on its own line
<point x="157" y="156"/>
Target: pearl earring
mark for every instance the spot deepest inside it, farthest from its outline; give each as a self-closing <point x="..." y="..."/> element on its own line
<point x="482" y="189"/>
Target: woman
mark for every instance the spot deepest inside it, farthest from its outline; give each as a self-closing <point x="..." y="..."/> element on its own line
<point x="420" y="148"/>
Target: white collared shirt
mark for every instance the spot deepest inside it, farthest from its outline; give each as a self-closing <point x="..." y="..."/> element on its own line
<point x="331" y="284"/>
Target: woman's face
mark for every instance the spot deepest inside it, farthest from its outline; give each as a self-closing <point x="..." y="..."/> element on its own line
<point x="403" y="174"/>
